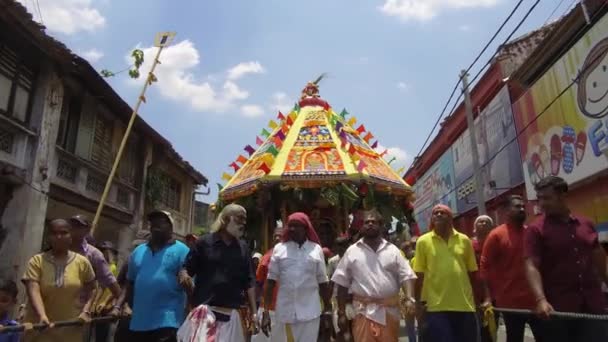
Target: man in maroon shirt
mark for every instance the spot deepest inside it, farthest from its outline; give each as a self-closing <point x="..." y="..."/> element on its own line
<point x="565" y="266"/>
<point x="502" y="268"/>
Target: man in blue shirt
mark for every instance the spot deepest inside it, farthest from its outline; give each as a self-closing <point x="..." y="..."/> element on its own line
<point x="159" y="298"/>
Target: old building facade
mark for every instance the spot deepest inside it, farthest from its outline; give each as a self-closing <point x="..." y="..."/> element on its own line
<point x="60" y="128"/>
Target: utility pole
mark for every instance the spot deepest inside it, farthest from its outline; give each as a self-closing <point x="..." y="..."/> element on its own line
<point x="162" y="40"/>
<point x="479" y="188"/>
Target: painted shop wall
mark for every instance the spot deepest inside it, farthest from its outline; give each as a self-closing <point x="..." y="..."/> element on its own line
<point x="498" y="151"/>
<point x="434" y="187"/>
<point x="568" y="137"/>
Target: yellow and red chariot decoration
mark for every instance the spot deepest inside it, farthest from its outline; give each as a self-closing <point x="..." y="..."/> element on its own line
<point x="314" y="157"/>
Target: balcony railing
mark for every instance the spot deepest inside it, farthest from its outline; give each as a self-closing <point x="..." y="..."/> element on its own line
<point x="85" y="178"/>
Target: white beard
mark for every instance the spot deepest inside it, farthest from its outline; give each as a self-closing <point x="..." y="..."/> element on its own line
<point x="234" y="229"/>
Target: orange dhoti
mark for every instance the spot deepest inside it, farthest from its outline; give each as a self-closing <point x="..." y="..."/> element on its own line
<point x="366" y="330"/>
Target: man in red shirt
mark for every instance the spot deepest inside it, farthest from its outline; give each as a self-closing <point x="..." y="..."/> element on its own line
<point x="565" y="266"/>
<point x="502" y="268"/>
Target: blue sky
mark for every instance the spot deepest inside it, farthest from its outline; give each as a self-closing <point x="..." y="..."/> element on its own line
<point x="233" y="63"/>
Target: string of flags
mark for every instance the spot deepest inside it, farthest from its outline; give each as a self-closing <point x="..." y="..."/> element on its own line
<point x="276" y="132"/>
<point x="279" y="127"/>
<point x="363" y="132"/>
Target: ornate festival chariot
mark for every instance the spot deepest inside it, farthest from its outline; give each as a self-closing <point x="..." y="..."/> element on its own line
<point x="314" y="160"/>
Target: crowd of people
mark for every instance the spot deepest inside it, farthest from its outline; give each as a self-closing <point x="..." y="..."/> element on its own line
<point x="214" y="288"/>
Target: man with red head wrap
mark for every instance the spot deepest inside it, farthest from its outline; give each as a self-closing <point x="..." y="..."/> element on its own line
<point x="298" y="264"/>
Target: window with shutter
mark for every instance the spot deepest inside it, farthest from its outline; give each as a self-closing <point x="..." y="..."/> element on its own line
<point x="101" y="151"/>
<point x="127" y="169"/>
<point x="16" y="84"/>
<point x="68" y="123"/>
<point x="171" y="191"/>
<point x="85" y="132"/>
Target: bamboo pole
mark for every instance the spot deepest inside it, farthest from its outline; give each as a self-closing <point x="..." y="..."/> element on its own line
<point x="125" y="137"/>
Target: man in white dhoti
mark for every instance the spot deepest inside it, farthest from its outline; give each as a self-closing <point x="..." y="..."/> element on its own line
<point x="374" y="271"/>
<point x="298" y="265"/>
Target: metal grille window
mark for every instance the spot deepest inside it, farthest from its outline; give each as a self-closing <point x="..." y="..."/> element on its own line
<point x="66" y="171"/>
<point x="6" y="141"/>
<point x="95" y="184"/>
<point x="16" y="84"/>
<point x="122" y="197"/>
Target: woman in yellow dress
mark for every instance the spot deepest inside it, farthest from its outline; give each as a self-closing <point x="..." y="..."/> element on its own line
<point x="55" y="281"/>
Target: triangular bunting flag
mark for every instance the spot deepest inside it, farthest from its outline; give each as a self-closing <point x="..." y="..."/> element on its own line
<point x="249" y="149"/>
<point x="333" y="120"/>
<point x="289" y="120"/>
<point x="280" y="116"/>
<point x="272" y="124"/>
<point x="272" y="150"/>
<point x="355" y="157"/>
<point x="258" y="141"/>
<point x="401" y="169"/>
<point x="343" y="113"/>
<point x="361" y="129"/>
<point x="235" y="166"/>
<point x="268" y="158"/>
<point x="284" y="129"/>
<point x="293" y="116"/>
<point x="265" y="133"/>
<point x="278" y="142"/>
<point x="392" y="160"/>
<point x="241" y="159"/>
<point x="375" y="144"/>
<point x="343" y="141"/>
<point x="219" y="187"/>
<point x="384" y="153"/>
<point x="351" y="149"/>
<point x="296" y="107"/>
<point x="352" y="121"/>
<point x="361" y="166"/>
<point x="280" y="135"/>
<point x="339" y="126"/>
<point x="226" y="177"/>
<point x="368" y="137"/>
<point x="264" y="168"/>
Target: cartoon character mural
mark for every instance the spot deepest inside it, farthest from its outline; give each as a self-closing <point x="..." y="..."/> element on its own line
<point x="568" y="137"/>
<point x="592" y="95"/>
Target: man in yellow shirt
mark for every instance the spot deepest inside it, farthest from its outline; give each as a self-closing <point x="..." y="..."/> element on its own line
<point x="445" y="265"/>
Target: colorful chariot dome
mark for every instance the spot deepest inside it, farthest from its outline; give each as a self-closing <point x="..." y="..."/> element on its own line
<point x="312" y="146"/>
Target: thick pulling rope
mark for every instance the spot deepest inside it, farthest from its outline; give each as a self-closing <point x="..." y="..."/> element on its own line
<point x="76" y="322"/>
<point x="574" y="315"/>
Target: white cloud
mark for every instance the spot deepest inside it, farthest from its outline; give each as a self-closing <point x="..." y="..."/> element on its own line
<point x="464" y="28"/>
<point x="66" y="16"/>
<point x="178" y="82"/>
<point x="403" y="86"/>
<point x="403" y="158"/>
<point x="245" y="68"/>
<point x="93" y="55"/>
<point x="423" y="10"/>
<point x="252" y="111"/>
<point x="281" y="102"/>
